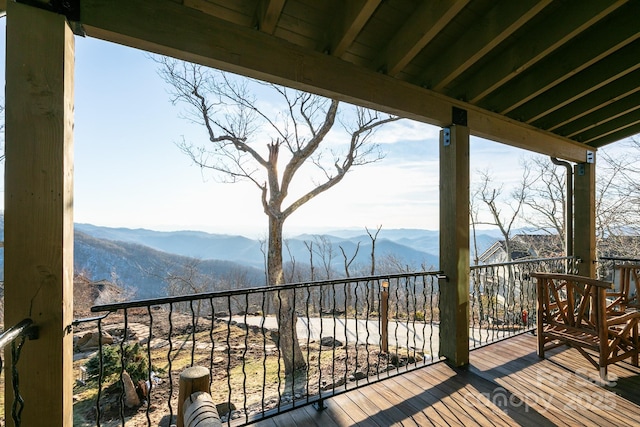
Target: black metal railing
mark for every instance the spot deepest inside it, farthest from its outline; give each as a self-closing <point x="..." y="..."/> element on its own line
<point x="503" y="297"/>
<point x="351" y="332"/>
<point x="607" y="266"/>
<point x="16" y="336"/>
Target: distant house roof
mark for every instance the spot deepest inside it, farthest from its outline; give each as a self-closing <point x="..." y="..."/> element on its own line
<point x="523" y="246"/>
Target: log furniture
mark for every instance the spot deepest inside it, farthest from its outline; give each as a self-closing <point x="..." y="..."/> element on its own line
<point x="626" y="296"/>
<point x="572" y="310"/>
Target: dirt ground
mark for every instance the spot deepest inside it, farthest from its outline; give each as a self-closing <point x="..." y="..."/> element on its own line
<point x="261" y="374"/>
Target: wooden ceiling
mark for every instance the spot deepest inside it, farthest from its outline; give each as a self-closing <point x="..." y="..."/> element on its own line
<point x="557" y="77"/>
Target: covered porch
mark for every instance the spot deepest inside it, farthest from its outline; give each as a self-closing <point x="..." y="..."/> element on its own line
<point x="557" y="78"/>
<point x="505" y="384"/>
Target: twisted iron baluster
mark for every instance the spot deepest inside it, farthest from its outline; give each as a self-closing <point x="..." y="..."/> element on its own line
<point x="150" y="366"/>
<point x="229" y="360"/>
<point x="346" y="335"/>
<point x="280" y="348"/>
<point x="170" y="362"/>
<point x="211" y="339"/>
<point x="366" y="345"/>
<point x="193" y="332"/>
<point x="18" y="401"/>
<point x="355" y="319"/>
<point x="100" y="372"/>
<point x="264" y="350"/>
<point x="244" y="355"/>
<point x="308" y="339"/>
<point x="333" y="345"/>
<point x="123" y="364"/>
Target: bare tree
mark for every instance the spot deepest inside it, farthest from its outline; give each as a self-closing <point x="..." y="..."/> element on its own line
<point x="187" y="279"/>
<point x="373" y="237"/>
<point x="495" y="203"/>
<point x="235" y="129"/>
<point x="347" y="264"/>
<point x="546" y="197"/>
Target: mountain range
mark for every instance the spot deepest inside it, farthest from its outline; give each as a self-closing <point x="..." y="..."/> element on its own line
<point x="140" y="259"/>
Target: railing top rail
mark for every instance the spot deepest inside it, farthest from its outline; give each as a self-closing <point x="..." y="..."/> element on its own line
<point x="607" y="258"/>
<point x="22" y="328"/>
<point x="249" y="291"/>
<point x="525" y="261"/>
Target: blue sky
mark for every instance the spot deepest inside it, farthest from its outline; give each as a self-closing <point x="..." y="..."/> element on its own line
<point x="129" y="172"/>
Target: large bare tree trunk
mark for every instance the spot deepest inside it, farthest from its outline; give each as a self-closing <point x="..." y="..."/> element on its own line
<point x="284" y="300"/>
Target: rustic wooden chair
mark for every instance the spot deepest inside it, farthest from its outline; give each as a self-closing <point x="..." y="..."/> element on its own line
<point x="626" y="297"/>
<point x="572" y="310"/>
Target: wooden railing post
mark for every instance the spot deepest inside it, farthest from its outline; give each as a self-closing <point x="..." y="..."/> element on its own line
<point x="384" y="317"/>
<point x="192" y="380"/>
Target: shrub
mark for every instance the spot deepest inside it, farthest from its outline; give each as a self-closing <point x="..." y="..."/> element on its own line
<point x="135" y="362"/>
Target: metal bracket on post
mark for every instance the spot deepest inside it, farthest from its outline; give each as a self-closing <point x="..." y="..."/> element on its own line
<point x="580" y="169"/>
<point x="69" y="8"/>
<point x="446" y="136"/>
<point x="591" y="157"/>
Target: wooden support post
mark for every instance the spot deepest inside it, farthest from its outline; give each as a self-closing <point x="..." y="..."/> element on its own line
<point x="39" y="209"/>
<point x="454" y="244"/>
<point x="384" y="317"/>
<point x="192" y="380"/>
<point x="585" y="218"/>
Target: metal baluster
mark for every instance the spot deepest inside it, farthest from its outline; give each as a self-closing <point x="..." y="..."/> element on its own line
<point x="415" y="304"/>
<point x="395" y="329"/>
<point x="193" y="332"/>
<point x="169" y="360"/>
<point x="18" y="401"/>
<point x="211" y="340"/>
<point x="279" y="348"/>
<point x="294" y="334"/>
<point x="346" y="336"/>
<point x="100" y="372"/>
<point x="244" y="356"/>
<point x="355" y="320"/>
<point x="308" y="340"/>
<point x="264" y="350"/>
<point x="149" y="365"/>
<point x="333" y="345"/>
<point x="122" y="364"/>
<point x="229" y="360"/>
<point x="366" y="344"/>
<point x="320" y="404"/>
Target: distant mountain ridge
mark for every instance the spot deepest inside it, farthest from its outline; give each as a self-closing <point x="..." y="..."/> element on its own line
<point x="140" y="259"/>
<point x="412" y="246"/>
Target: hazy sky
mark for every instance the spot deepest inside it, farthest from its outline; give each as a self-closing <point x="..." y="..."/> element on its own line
<point x="129" y="172"/>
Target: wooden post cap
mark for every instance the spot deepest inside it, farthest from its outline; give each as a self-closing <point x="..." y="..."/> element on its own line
<point x="192" y="380"/>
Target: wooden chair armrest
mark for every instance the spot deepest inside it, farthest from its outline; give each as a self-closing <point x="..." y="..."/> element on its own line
<point x="622" y="318"/>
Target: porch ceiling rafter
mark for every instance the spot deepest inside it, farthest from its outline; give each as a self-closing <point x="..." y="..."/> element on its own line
<point x="185" y="33"/>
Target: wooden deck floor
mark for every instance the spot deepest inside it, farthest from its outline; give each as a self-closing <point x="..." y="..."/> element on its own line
<point x="506" y="384"/>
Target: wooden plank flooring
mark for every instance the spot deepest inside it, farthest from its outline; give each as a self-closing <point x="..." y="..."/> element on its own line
<point x="506" y="384"/>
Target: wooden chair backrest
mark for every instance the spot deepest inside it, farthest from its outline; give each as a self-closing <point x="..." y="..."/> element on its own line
<point x="570" y="300"/>
<point x="630" y="284"/>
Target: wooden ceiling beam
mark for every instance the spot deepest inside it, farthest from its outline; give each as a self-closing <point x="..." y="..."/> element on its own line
<point x="173" y="30"/>
<point x="607" y="127"/>
<point x="615" y="136"/>
<point x="268" y="13"/>
<point x="598" y="117"/>
<point x="423" y="25"/>
<point x="355" y="14"/>
<point x="488" y="32"/>
<point x="581" y="53"/>
<point x="217" y="10"/>
<point x="593" y="103"/>
<point x="550" y="110"/>
<point x="567" y="22"/>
